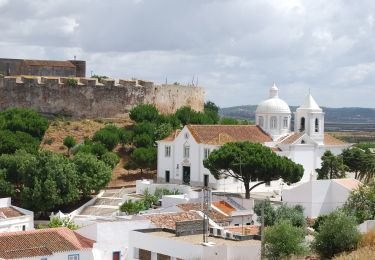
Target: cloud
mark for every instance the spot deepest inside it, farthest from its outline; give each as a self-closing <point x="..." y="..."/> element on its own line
<point x="236" y="48"/>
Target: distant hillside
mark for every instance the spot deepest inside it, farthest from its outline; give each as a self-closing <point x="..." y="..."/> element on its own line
<point x="346" y="118"/>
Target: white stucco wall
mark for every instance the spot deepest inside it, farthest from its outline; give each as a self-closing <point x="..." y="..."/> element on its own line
<point x="83" y="255"/>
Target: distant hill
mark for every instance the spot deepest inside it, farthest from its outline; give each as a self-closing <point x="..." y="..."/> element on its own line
<point x="346" y="118"/>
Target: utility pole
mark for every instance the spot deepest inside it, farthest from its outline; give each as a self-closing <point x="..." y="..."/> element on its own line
<point x="262" y="233"/>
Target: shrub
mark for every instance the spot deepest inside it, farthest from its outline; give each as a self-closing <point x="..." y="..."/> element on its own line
<point x="269" y="212"/>
<point x="133" y="207"/>
<point x="69" y="142"/>
<point x="338" y="233"/>
<point x="283" y="240"/>
<point x="228" y="121"/>
<point x="71" y="82"/>
<point x="318" y="222"/>
<point x="24" y="120"/>
<point x="144" y="112"/>
<point x="12" y="141"/>
<point x="109" y="136"/>
<point x="64" y="222"/>
<point x="111" y="159"/>
<point x="49" y="141"/>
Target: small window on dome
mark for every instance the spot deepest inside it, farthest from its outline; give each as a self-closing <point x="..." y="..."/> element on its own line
<point x="261" y="121"/>
<point x="273" y="122"/>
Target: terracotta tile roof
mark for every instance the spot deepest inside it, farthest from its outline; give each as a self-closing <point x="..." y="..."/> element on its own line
<point x="214" y="214"/>
<point x="330" y="140"/>
<point x="41" y="242"/>
<point x="172" y="136"/>
<point x="224" y="206"/>
<point x="350" y="184"/>
<point x="48" y="63"/>
<point x="221" y="134"/>
<point x="292" y="138"/>
<point x="168" y="220"/>
<point x="247" y="230"/>
<point x="9" y="212"/>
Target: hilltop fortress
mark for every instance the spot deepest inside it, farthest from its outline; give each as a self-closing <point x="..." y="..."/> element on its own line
<point x="81" y="97"/>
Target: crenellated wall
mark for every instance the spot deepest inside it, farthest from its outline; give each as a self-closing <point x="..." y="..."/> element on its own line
<point x="93" y="99"/>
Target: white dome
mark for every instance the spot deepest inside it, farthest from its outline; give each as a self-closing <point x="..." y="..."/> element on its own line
<point x="273" y="105"/>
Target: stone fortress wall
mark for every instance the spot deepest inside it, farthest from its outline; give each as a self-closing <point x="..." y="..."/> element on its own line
<point x="91" y="98"/>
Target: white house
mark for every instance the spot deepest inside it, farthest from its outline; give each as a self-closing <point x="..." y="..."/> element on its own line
<point x="161" y="244"/>
<point x="13" y="218"/>
<point x="181" y="155"/>
<point x="42" y="244"/>
<point x="319" y="197"/>
<point x="111" y="237"/>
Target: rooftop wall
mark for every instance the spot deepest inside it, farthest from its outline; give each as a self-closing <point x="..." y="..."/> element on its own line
<point x="92" y="99"/>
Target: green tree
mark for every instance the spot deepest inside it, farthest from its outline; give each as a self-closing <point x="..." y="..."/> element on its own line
<point x="133" y="207"/>
<point x="284" y="240"/>
<point x="62" y="222"/>
<point x="293" y="214"/>
<point x="361" y="162"/>
<point x="338" y="233"/>
<point x="332" y="167"/>
<point x="361" y="203"/>
<point x="143" y="140"/>
<point x="111" y="159"/>
<point x="247" y="162"/>
<point x="144" y="158"/>
<point x="144" y="112"/>
<point x="93" y="173"/>
<point x="109" y="136"/>
<point x="269" y="212"/>
<point x="53" y="182"/>
<point x="12" y="141"/>
<point x="125" y="136"/>
<point x="228" y="121"/>
<point x="69" y="142"/>
<point x="162" y="131"/>
<point x="23" y="120"/>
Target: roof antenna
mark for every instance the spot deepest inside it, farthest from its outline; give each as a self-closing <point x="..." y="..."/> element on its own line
<point x="75" y="57"/>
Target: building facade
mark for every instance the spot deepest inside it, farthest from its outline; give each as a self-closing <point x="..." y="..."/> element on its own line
<point x="13" y="218"/>
<point x="181" y="155"/>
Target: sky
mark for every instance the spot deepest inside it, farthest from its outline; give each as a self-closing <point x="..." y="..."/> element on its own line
<point x="236" y="49"/>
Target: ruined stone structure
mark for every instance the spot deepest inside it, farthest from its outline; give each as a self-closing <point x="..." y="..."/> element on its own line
<point x="90" y="98"/>
<point x="15" y="67"/>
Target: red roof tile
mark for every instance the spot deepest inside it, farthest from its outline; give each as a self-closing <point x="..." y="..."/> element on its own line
<point x="168" y="220"/>
<point x="221" y="134"/>
<point x="330" y="140"/>
<point x="41" y="242"/>
<point x="9" y="212"/>
<point x="224" y="206"/>
<point x="214" y="214"/>
<point x="48" y="63"/>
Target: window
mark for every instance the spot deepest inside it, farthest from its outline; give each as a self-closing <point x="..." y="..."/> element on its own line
<point x="73" y="257"/>
<point x="260" y="121"/>
<point x="23" y="227"/>
<point x="268" y="184"/>
<point x="186" y="151"/>
<point x="302" y="126"/>
<point x="285" y="122"/>
<point x="236" y="225"/>
<point x="205" y="180"/>
<point x="116" y="255"/>
<point x="44" y="258"/>
<point x="316" y="125"/>
<point x="206" y="152"/>
<point x="273" y="122"/>
<point x="167" y="151"/>
<point x="167" y="176"/>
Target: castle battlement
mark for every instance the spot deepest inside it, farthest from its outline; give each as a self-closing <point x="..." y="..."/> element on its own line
<point x="82" y="97"/>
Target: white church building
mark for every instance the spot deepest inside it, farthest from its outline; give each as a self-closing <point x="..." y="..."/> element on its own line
<point x="181" y="155"/>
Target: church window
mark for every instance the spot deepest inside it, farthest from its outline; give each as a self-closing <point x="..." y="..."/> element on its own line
<point x="167" y="151"/>
<point x="273" y="122"/>
<point x="285" y="122"/>
<point x="316" y="125"/>
<point x="186" y="151"/>
<point x="302" y="127"/>
<point x="261" y="121"/>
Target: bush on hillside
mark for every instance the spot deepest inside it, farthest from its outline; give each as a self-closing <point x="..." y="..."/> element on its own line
<point x="144" y="112"/>
<point x="284" y="240"/>
<point x="338" y="233"/>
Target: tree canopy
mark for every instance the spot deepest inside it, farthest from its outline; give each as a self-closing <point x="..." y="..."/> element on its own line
<point x="361" y="162"/>
<point x="248" y="162"/>
<point x="332" y="167"/>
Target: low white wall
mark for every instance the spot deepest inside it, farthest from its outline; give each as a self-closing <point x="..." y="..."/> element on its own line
<point x="142" y="185"/>
<point x="83" y="255"/>
<point x="366" y="226"/>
